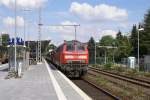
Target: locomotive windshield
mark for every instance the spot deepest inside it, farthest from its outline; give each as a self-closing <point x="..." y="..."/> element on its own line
<point x="70" y="47"/>
<point x="75" y="46"/>
<point x="80" y="47"/>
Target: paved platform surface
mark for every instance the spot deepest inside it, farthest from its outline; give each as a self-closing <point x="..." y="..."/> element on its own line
<point x="40" y="82"/>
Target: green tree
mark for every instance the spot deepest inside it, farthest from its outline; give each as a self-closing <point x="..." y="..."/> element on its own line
<point x="91" y="43"/>
<point x="44" y="45"/>
<point x="107" y="40"/>
<point x="5" y="38"/>
<point x="91" y="49"/>
<point x="51" y="46"/>
<point x="145" y="36"/>
<point x="134" y="41"/>
<point x="119" y="35"/>
<point x="124" y="46"/>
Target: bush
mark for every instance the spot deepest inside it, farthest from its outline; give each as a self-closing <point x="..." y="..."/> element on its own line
<point x="108" y="66"/>
<point x="147" y="74"/>
<point x="120" y="69"/>
<point x="132" y="72"/>
<point x="95" y="65"/>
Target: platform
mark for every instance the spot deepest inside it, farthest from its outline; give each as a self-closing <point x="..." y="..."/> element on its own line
<point x="40" y="82"/>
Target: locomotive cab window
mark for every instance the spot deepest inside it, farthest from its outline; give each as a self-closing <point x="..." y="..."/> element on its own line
<point x="80" y="47"/>
<point x="70" y="47"/>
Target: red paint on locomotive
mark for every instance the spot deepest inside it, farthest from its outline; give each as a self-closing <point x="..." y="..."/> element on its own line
<point x="71" y="53"/>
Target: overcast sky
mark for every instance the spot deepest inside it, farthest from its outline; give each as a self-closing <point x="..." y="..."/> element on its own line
<point x="96" y="17"/>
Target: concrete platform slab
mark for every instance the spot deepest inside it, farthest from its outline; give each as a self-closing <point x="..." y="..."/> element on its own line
<point x="40" y="82"/>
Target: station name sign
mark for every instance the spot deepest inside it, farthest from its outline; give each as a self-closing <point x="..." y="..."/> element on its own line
<point x="19" y="41"/>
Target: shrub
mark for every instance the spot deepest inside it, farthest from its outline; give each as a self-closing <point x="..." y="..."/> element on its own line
<point x="147" y="74"/>
<point x="132" y="72"/>
<point x="108" y="66"/>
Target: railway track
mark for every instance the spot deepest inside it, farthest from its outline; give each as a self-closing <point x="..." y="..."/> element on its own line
<point x="132" y="80"/>
<point x="95" y="92"/>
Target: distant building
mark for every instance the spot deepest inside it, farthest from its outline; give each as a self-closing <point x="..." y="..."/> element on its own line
<point x="32" y="47"/>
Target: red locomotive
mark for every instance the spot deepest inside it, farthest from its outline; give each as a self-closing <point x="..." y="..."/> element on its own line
<point x="72" y="58"/>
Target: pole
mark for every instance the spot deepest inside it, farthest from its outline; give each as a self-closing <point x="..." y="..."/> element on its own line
<point x="28" y="35"/>
<point x="113" y="56"/>
<point x="138" y="52"/>
<point x="24" y="44"/>
<point x="75" y="32"/>
<point x="24" y="14"/>
<point x="0" y="39"/>
<point x="24" y="27"/>
<point x="95" y="52"/>
<point x="15" y="33"/>
<point x="39" y="37"/>
<point x="105" y="57"/>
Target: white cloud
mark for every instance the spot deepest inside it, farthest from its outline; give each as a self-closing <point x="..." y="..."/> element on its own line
<point x="68" y="23"/>
<point x="84" y="32"/>
<point x="108" y="32"/>
<point x="63" y="29"/>
<point x="23" y="3"/>
<point x="63" y="32"/>
<point x="9" y="21"/>
<point x="99" y="12"/>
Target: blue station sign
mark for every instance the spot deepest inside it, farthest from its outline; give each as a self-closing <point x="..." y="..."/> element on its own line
<point x="19" y="41"/>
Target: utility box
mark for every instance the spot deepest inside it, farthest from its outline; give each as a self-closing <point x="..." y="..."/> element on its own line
<point x="131" y="62"/>
<point x="147" y="63"/>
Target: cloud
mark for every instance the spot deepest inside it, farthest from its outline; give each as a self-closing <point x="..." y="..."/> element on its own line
<point x="68" y="23"/>
<point x="108" y="32"/>
<point x="63" y="29"/>
<point x="99" y="12"/>
<point x="84" y="32"/>
<point x="23" y="3"/>
<point x="62" y="32"/>
<point x="9" y="21"/>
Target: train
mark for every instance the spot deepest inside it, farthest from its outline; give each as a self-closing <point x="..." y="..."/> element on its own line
<point x="72" y="58"/>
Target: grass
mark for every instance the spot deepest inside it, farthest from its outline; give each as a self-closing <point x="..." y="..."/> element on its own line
<point x="147" y="74"/>
<point x="122" y="70"/>
<point x="121" y="90"/>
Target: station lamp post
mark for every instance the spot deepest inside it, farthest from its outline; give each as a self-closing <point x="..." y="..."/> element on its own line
<point x="24" y="14"/>
<point x="95" y="51"/>
<point x="140" y="29"/>
<point x="28" y="32"/>
<point x="15" y="34"/>
<point x="1" y="39"/>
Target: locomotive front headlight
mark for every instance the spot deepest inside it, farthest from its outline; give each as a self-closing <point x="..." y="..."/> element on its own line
<point x="82" y="57"/>
<point x="68" y="57"/>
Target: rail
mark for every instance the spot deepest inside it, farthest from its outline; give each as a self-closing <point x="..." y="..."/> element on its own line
<point x="132" y="80"/>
